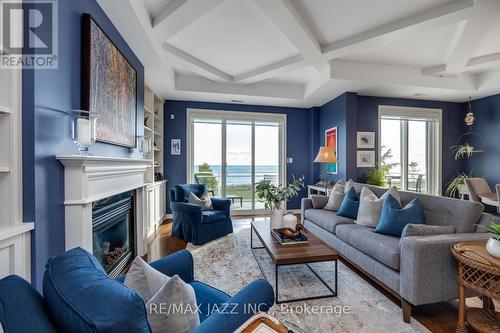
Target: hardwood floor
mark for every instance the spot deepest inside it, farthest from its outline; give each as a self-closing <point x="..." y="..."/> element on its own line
<point x="438" y="318"/>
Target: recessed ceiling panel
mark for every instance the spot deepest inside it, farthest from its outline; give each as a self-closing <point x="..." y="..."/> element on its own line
<point x="301" y="76"/>
<point x="235" y="38"/>
<point x="490" y="43"/>
<point x="426" y="49"/>
<point x="155" y="6"/>
<point x="334" y="20"/>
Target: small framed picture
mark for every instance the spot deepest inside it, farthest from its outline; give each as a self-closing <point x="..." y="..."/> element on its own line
<point x="175" y="147"/>
<point x="366" y="140"/>
<point x="366" y="159"/>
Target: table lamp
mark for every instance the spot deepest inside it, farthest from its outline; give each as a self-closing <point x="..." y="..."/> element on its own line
<point x="326" y="155"/>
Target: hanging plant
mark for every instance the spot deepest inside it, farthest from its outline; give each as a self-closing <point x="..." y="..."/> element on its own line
<point x="462" y="150"/>
<point x="456" y="185"/>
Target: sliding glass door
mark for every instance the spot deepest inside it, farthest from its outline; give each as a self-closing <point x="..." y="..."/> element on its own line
<point x="230" y="152"/>
<point x="410" y="147"/>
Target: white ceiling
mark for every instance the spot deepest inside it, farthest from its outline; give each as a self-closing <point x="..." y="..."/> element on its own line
<point x="304" y="53"/>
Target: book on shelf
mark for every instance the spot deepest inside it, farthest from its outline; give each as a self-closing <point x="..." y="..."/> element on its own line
<point x="284" y="240"/>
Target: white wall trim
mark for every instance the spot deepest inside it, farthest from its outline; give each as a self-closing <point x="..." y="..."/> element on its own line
<point x="416" y="113"/>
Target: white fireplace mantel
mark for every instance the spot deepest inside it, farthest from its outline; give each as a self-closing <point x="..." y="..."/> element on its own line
<point x="91" y="178"/>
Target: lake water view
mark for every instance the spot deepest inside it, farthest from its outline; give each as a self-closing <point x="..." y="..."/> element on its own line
<point x="242" y="174"/>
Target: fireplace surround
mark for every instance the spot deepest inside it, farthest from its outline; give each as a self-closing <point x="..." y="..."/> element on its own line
<point x="88" y="180"/>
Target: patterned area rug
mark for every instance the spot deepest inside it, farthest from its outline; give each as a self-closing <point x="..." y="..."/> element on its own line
<point x="228" y="264"/>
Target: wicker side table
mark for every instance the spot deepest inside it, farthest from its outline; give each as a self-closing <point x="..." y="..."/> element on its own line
<point x="480" y="272"/>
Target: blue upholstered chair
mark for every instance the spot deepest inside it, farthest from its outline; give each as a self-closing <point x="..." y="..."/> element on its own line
<point x="79" y="297"/>
<point x="194" y="225"/>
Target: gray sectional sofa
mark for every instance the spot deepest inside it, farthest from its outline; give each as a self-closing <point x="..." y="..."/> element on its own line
<point x="417" y="269"/>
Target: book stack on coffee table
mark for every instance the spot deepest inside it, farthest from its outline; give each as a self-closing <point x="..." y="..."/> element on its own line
<point x="281" y="236"/>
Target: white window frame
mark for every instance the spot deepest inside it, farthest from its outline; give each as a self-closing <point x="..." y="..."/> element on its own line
<point x="225" y="116"/>
<point x="434" y="144"/>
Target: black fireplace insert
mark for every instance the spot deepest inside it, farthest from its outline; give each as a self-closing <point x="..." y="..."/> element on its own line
<point x="113" y="232"/>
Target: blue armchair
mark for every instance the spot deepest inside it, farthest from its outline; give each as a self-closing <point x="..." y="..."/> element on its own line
<point x="23" y="309"/>
<point x="195" y="225"/>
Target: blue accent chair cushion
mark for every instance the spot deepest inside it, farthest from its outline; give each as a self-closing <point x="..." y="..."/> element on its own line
<point x="211" y="216"/>
<point x="80" y="297"/>
<point x="182" y="191"/>
<point x="350" y="205"/>
<point x="194" y="225"/>
<point x="394" y="217"/>
<point x="21" y="307"/>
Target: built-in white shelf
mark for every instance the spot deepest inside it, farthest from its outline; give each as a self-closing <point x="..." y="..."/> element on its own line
<point x="153" y="128"/>
<point x="4" y="49"/>
<point x="11" y="231"/>
<point x="4" y="169"/>
<point x="4" y="109"/>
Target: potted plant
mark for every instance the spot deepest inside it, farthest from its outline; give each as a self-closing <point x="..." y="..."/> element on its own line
<point x="274" y="196"/>
<point x="493" y="245"/>
<point x="457" y="185"/>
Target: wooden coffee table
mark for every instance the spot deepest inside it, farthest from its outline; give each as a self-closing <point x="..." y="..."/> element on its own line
<point x="283" y="255"/>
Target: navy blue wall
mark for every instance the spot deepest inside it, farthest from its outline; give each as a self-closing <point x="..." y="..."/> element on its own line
<point x="452" y="125"/>
<point x="341" y="113"/>
<point x="49" y="94"/>
<point x="299" y="137"/>
<point x="487" y="165"/>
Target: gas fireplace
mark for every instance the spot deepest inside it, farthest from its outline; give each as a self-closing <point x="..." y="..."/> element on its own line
<point x="113" y="232"/>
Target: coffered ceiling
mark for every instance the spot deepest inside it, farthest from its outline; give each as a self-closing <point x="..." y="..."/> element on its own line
<point x="306" y="52"/>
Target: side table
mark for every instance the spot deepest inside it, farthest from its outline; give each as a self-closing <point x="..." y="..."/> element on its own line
<point x="480" y="272"/>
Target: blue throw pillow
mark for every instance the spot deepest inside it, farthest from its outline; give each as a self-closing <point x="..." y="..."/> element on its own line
<point x="80" y="297"/>
<point x="394" y="217"/>
<point x="350" y="205"/>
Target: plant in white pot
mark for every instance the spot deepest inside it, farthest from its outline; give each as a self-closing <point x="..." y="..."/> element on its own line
<point x="274" y="196"/>
<point x="493" y="245"/>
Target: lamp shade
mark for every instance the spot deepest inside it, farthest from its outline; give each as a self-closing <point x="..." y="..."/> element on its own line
<point x="326" y="155"/>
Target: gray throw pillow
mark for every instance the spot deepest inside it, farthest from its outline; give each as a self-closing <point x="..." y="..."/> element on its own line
<point x="425" y="229"/>
<point x="370" y="206"/>
<point x="144" y="279"/>
<point x="205" y="203"/>
<point x="337" y="195"/>
<point x="319" y="201"/>
<point x="173" y="308"/>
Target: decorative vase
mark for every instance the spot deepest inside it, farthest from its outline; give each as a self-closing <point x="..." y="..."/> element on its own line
<point x="276" y="219"/>
<point x="493" y="247"/>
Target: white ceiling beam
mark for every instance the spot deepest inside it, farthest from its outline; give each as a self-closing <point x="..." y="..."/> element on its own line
<point x="480" y="19"/>
<point x="203" y="68"/>
<point x="396" y="75"/>
<point x="483" y="62"/>
<point x="313" y="85"/>
<point x="266" y="72"/>
<point x="178" y="15"/>
<point x="285" y="17"/>
<point x="444" y="15"/>
<point x="262" y="89"/>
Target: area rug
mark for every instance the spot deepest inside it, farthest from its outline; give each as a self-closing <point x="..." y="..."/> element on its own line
<point x="228" y="264"/>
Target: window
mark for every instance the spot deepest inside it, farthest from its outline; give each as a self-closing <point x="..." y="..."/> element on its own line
<point x="410" y="146"/>
<point x="231" y="151"/>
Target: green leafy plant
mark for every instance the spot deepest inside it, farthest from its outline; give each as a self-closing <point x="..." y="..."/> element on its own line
<point x="378" y="175"/>
<point x="462" y="150"/>
<point x="207" y="178"/>
<point x="453" y="186"/>
<point x="492" y="228"/>
<point x="273" y="196"/>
